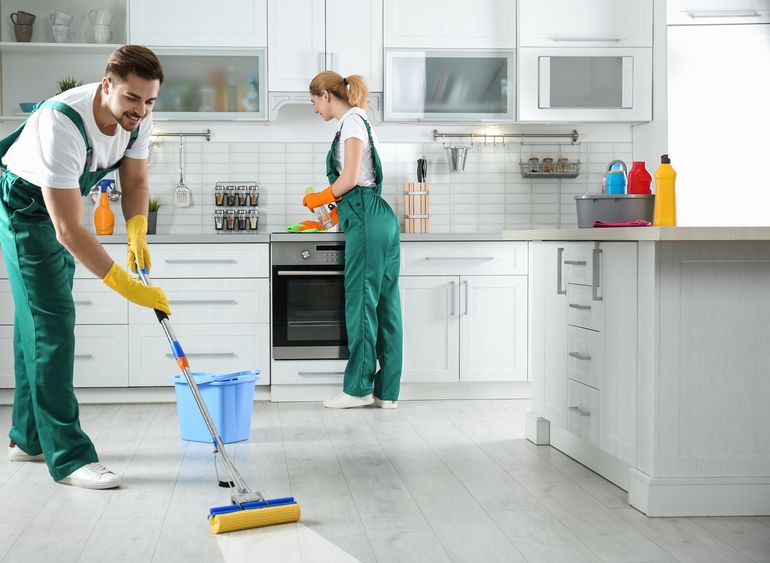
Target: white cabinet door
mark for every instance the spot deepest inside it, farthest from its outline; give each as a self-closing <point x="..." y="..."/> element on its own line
<point x="589" y="23"/>
<point x="354" y="39"/>
<point x="704" y="12"/>
<point x="101" y="356"/>
<point x="554" y="328"/>
<point x="493" y="328"/>
<point x="430" y="307"/>
<point x="450" y="24"/>
<point x="198" y="23"/>
<point x="617" y="394"/>
<point x="296" y="43"/>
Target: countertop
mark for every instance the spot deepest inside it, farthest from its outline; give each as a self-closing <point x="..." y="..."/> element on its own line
<point x="268" y="237"/>
<point x="670" y="234"/>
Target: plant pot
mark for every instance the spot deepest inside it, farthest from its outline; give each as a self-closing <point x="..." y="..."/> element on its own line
<point x="152" y="222"/>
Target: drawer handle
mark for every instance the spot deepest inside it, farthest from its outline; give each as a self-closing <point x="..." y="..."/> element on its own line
<point x="579" y="356"/>
<point x="597" y="275"/>
<point x="558" y="39"/>
<point x="473" y="258"/>
<point x="580" y="307"/>
<point x="208" y="355"/>
<point x="200" y="261"/>
<point x="86" y="356"/>
<point x="575" y="262"/>
<point x="319" y="373"/>
<point x="723" y="14"/>
<point x="311" y="273"/>
<point x="580" y="412"/>
<point x="83" y="302"/>
<point x="311" y="324"/>
<point x="203" y="302"/>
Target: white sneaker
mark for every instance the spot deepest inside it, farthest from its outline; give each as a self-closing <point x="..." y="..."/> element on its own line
<point x="385" y="404"/>
<point x="345" y="401"/>
<point x="15" y="453"/>
<point x="92" y="476"/>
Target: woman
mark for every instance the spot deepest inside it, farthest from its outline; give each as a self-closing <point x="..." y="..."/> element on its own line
<point x="372" y="245"/>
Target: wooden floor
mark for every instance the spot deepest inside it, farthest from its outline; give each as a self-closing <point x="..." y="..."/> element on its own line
<point x="431" y="481"/>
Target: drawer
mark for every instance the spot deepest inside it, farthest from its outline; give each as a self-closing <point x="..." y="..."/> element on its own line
<point x="101" y="356"/>
<point x="95" y="304"/>
<point x="585" y="355"/>
<point x="583" y="411"/>
<point x="215" y="348"/>
<point x="210" y="260"/>
<point x="225" y="301"/>
<point x="578" y="263"/>
<point x="464" y="258"/>
<point x="296" y="372"/>
<point x="582" y="310"/>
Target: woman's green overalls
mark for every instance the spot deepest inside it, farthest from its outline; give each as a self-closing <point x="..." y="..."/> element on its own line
<point x="41" y="270"/>
<point x="372" y="302"/>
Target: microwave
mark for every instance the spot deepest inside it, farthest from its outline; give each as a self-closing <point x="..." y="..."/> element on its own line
<point x="559" y="84"/>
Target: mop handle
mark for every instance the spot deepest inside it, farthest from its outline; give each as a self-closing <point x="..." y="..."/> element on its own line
<point x="184" y="365"/>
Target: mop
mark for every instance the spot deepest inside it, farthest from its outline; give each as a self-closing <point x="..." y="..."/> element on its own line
<point x="249" y="509"/>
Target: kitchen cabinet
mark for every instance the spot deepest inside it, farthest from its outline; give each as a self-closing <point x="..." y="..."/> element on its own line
<point x="198" y="23"/>
<point x="590" y="23"/>
<point x="450" y="24"/>
<point x="325" y="35"/>
<point x="717" y="12"/>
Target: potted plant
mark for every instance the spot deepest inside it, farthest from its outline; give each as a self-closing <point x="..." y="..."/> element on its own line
<point x="152" y="214"/>
<point x="68" y="82"/>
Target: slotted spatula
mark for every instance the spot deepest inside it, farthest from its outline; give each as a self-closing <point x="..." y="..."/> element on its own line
<point x="182" y="194"/>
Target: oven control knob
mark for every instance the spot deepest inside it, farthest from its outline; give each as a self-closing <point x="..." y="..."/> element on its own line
<point x="305" y="254"/>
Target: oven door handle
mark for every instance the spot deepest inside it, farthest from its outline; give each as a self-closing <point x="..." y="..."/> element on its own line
<point x="310" y="273"/>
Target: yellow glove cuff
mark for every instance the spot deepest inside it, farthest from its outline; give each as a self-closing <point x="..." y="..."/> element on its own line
<point x="136" y="225"/>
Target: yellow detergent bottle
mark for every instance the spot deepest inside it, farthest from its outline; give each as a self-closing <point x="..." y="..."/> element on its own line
<point x="665" y="194"/>
<point x="104" y="218"/>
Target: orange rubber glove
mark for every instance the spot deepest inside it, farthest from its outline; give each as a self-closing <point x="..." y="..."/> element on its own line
<point x="138" y="251"/>
<point x="121" y="281"/>
<point x="313" y="200"/>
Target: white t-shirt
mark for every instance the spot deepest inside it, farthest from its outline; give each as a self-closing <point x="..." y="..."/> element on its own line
<point x="352" y="125"/>
<point x="50" y="151"/>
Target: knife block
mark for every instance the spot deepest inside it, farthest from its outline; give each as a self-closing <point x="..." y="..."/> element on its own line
<point x="416" y="207"/>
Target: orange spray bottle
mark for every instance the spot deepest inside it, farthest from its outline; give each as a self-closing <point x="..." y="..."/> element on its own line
<point x="104" y="218"/>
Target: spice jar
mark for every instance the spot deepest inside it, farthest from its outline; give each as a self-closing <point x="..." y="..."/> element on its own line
<point x="534" y="164"/>
<point x="253" y="195"/>
<point x="219" y="195"/>
<point x="219" y="219"/>
<point x="562" y="165"/>
<point x="243" y="219"/>
<point x="230" y="220"/>
<point x="547" y="165"/>
<point x="243" y="196"/>
<point x="253" y="219"/>
<point x="232" y="196"/>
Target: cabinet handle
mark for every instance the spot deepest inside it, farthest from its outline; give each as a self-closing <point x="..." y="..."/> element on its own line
<point x="579" y="356"/>
<point x="311" y="273"/>
<point x="597" y="274"/>
<point x="90" y="356"/>
<point x="559" y="266"/>
<point x="200" y="261"/>
<point x="579" y="307"/>
<point x="319" y="373"/>
<point x="695" y="14"/>
<point x="575" y="262"/>
<point x="208" y="355"/>
<point x="474" y="258"/>
<point x="467" y="306"/>
<point x="202" y="302"/>
<point x="580" y="412"/>
<point x="83" y="302"/>
<point x="452" y="299"/>
<point x="559" y="39"/>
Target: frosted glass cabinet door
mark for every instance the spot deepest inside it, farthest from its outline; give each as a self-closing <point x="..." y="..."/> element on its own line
<point x="449" y="85"/>
<point x="216" y="85"/>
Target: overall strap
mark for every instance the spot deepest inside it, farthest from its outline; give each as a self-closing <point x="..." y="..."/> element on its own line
<point x="76" y="119"/>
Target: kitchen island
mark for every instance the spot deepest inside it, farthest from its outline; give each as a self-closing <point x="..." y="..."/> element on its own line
<point x="650" y="361"/>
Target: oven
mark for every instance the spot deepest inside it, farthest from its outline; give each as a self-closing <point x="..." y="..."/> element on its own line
<point x="308" y="298"/>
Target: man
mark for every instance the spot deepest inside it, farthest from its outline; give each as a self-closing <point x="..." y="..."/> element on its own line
<point x="52" y="160"/>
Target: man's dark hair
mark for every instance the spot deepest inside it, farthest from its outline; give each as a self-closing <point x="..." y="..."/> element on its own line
<point x="134" y="59"/>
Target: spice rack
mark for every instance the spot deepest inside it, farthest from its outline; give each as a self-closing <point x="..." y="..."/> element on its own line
<point x="237" y="207"/>
<point x="562" y="168"/>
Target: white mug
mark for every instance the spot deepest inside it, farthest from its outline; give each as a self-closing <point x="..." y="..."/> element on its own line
<point x="62" y="33"/>
<point x="102" y="33"/>
<point x="60" y="18"/>
<point x="100" y="17"/>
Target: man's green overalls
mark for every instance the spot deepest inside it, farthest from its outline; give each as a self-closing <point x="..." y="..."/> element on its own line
<point x="41" y="270"/>
<point x="372" y="302"/>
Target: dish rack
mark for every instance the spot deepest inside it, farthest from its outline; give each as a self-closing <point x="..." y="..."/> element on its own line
<point x="569" y="169"/>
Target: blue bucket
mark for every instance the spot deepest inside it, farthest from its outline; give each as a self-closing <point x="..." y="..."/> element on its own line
<point x="229" y="398"/>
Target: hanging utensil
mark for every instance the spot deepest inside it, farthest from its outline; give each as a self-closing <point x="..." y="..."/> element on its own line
<point x="182" y="194"/>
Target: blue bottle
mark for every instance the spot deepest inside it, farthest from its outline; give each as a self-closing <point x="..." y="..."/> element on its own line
<point x="617" y="178"/>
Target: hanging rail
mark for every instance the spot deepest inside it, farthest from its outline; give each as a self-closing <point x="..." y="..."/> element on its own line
<point x="206" y="134"/>
<point x="573" y="135"/>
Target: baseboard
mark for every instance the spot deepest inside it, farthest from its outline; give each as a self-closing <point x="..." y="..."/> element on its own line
<point x="719" y="496"/>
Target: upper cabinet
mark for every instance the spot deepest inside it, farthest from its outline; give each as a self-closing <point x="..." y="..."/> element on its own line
<point x="705" y="12"/>
<point x="589" y="23"/>
<point x="198" y="23"/>
<point x="450" y="24"/>
<point x="345" y="37"/>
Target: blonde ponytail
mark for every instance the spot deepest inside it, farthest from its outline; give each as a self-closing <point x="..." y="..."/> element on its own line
<point x="352" y="89"/>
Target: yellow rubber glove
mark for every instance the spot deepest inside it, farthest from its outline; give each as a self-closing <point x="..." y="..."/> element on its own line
<point x="314" y="199"/>
<point x="121" y="281"/>
<point x="138" y="251"/>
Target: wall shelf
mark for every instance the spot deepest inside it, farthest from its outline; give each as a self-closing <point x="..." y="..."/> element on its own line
<point x="13" y="46"/>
